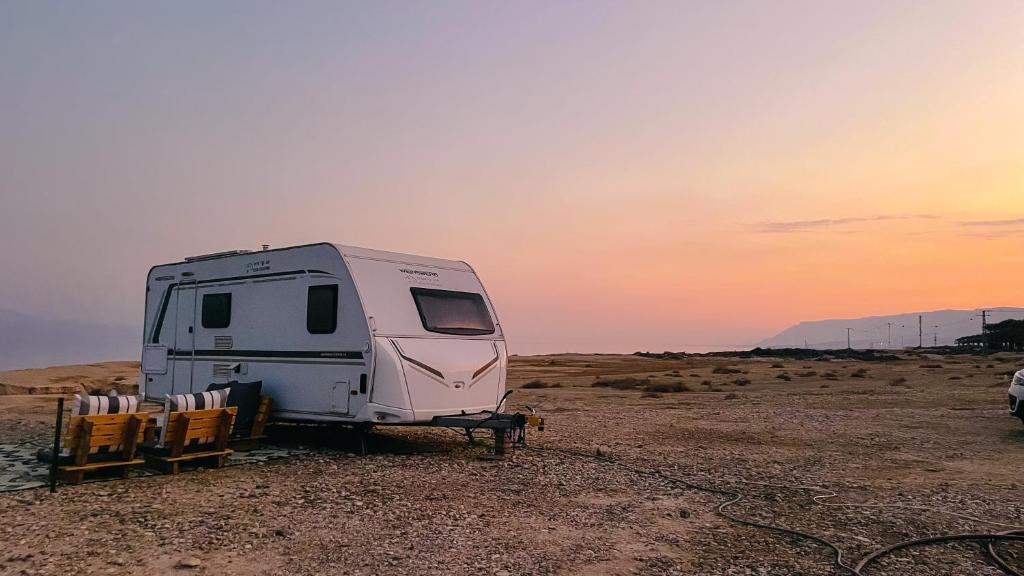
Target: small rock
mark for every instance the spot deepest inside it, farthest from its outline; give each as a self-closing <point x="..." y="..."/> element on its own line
<point x="189" y="563"/>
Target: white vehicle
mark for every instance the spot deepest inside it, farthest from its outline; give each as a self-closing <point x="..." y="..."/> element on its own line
<point x="1017" y="395"/>
<point x="335" y="333"/>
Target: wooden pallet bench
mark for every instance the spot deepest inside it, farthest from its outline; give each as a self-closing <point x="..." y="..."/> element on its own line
<point x="199" y="435"/>
<point x="257" y="433"/>
<point x="100" y="442"/>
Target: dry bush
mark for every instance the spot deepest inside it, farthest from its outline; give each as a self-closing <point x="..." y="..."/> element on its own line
<point x="785" y="377"/>
<point x="955" y="378"/>
<point x="931" y="366"/>
<point x="650" y="395"/>
<point x="898" y="381"/>
<point x="859" y="373"/>
<point x="667" y="387"/>
<point x="808" y="374"/>
<point x="731" y="396"/>
<point x="830" y="376"/>
<point x="741" y="381"/>
<point x="725" y="370"/>
<point x="620" y="383"/>
<point x="536" y="384"/>
<point x="706" y="383"/>
<point x="778" y="365"/>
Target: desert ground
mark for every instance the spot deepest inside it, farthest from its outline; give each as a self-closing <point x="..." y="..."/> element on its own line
<point x="926" y="434"/>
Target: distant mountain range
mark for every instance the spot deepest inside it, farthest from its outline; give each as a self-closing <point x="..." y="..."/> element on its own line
<point x="28" y="341"/>
<point x="940" y="327"/>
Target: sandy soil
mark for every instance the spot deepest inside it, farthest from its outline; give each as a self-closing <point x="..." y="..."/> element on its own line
<point x="929" y="431"/>
<point x="101" y="377"/>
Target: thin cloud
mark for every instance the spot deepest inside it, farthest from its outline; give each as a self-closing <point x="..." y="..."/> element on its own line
<point x="796" y="226"/>
<point x="992" y="229"/>
<point x="994" y="223"/>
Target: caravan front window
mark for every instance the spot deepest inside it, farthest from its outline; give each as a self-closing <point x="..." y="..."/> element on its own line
<point x="217" y="310"/>
<point x="450" y="312"/>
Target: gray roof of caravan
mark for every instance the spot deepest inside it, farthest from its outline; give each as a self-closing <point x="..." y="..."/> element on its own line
<point x="357" y="252"/>
<point x="344" y="250"/>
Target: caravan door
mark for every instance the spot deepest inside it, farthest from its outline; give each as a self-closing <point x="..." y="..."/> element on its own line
<point x="184" y="339"/>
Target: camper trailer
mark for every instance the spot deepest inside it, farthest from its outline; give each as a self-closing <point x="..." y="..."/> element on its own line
<point x="335" y="333"/>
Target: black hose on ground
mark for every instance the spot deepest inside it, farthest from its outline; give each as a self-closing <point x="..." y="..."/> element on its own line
<point x="999" y="561"/>
<point x="734" y="497"/>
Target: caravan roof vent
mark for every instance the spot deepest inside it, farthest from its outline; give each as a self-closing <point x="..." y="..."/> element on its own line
<point x="216" y="255"/>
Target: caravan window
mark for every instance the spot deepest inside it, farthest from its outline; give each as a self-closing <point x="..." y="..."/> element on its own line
<point x="322" y="309"/>
<point x="449" y="312"/>
<point x="216" y="310"/>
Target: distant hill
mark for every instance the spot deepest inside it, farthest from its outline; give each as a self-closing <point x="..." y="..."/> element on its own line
<point x="873" y="331"/>
<point x="28" y="341"/>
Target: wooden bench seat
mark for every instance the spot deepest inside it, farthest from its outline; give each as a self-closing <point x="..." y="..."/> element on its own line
<point x="191" y="436"/>
<point x="99" y="442"/>
<point x="256" y="434"/>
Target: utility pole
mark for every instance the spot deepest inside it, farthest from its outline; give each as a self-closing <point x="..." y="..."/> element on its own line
<point x="889" y="341"/>
<point x="984" y="324"/>
<point x="848" y="346"/>
<point x="920" y="331"/>
<point x="936" y="335"/>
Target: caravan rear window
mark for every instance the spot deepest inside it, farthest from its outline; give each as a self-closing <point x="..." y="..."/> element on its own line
<point x="322" y="309"/>
<point x="449" y="312"/>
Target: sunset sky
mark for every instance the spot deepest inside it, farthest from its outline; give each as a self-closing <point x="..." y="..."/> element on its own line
<point x="624" y="176"/>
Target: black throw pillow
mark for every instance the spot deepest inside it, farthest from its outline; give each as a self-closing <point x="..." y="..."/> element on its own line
<point x="246" y="397"/>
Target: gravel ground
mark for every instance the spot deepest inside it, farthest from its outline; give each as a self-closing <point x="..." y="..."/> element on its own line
<point x="424" y="502"/>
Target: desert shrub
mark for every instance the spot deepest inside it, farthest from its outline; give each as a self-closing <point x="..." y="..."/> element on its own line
<point x="706" y="383"/>
<point x="741" y="381"/>
<point x="725" y="370"/>
<point x="990" y="365"/>
<point x="667" y="387"/>
<point x="778" y="365"/>
<point x="830" y="376"/>
<point x="650" y="395"/>
<point x="556" y="385"/>
<point x="731" y="396"/>
<point x="859" y="373"/>
<point x="694" y="375"/>
<point x="620" y="383"/>
<point x="808" y="374"/>
<point x="785" y="377"/>
<point x="898" y="381"/>
<point x="955" y="378"/>
<point x="536" y="384"/>
<point x="931" y="366"/>
<point x="824" y="386"/>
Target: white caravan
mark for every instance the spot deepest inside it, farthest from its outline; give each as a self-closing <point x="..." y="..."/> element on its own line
<point x="335" y="333"/>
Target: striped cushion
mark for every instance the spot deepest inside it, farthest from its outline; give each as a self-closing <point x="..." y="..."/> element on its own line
<point x="197" y="401"/>
<point x="89" y="405"/>
<point x="190" y="402"/>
